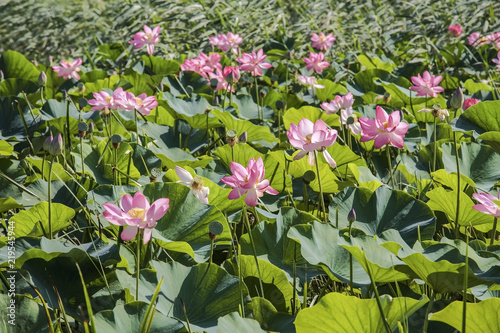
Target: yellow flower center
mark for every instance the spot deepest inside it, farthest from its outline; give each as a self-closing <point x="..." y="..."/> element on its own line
<point x="108" y="99"/>
<point x="149" y="36"/>
<point x="308" y="138"/>
<point x="386" y="124"/>
<point x="137" y="213"/>
<point x="139" y="101"/>
<point x="197" y="183"/>
<point x="321" y="38"/>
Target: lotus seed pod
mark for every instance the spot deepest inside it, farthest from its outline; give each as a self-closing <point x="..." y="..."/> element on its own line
<point x="115" y="140"/>
<point x="309" y="176"/>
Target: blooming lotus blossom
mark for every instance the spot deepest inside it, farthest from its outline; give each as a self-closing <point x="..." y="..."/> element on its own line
<point x="248" y="180"/>
<point x="145" y="104"/>
<point x="494" y="39"/>
<point x="455" y="30"/>
<point x="316" y="62"/>
<point x="231" y="74"/>
<point x="135" y="214"/>
<point x="426" y="85"/>
<point x="497" y="61"/>
<point x="385" y="129"/>
<point x="226" y="42"/>
<point x="68" y="70"/>
<point x="195" y="184"/>
<point x="311" y="83"/>
<point x="477" y="40"/>
<point x="309" y="137"/>
<point x="487" y="204"/>
<point x="125" y="100"/>
<point x="253" y="63"/>
<point x="470" y="102"/>
<point x="441" y="113"/>
<point x="102" y="100"/>
<point x="149" y="37"/>
<point x="203" y="64"/>
<point x="322" y="42"/>
<point x="344" y="105"/>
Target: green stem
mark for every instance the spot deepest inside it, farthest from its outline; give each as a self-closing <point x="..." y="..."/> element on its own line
<point x="257" y="97"/>
<point x="81" y="155"/>
<point x="457" y="226"/>
<point x="377" y="297"/>
<point x="41" y="95"/>
<point x="429" y="306"/>
<point x="306" y="197"/>
<point x="466" y="278"/>
<point x="49" y="188"/>
<point x="253" y="248"/>
<point x="138" y="268"/>
<point x="388" y="153"/>
<point x="294" y="297"/>
<point x="320" y="187"/>
<point x="435" y="146"/>
<point x="494" y="235"/>
<point x="211" y="250"/>
<point x="351" y="284"/>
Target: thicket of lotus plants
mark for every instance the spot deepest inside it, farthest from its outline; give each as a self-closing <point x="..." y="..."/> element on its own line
<point x="251" y="190"/>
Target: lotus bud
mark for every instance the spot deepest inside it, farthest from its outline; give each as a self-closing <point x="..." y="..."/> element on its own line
<point x="46" y="143"/>
<point x="243" y="137"/>
<point x="91" y="127"/>
<point x="56" y="145"/>
<point x="42" y="79"/>
<point x="229" y="78"/>
<point x="351" y="217"/>
<point x="457" y="100"/>
<point x="231" y="137"/>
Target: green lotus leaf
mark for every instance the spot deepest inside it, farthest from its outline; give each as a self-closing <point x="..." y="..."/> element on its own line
<point x="8" y="203"/>
<point x="247" y="108"/>
<point x="187" y="219"/>
<point x="127" y="318"/>
<point x="382" y="210"/>
<point x="329" y="181"/>
<point x="54" y="112"/>
<point x="340" y="313"/>
<point x="123" y="160"/>
<point x="254" y="132"/>
<point x="473" y="87"/>
<point x="14" y="65"/>
<point x="364" y="177"/>
<point x="451" y="181"/>
<point x="43" y="248"/>
<point x="446" y="201"/>
<point x="195" y="286"/>
<point x="27" y="314"/>
<point x="277" y="288"/>
<point x="319" y="246"/>
<point x="293" y="115"/>
<point x="98" y="85"/>
<point x="232" y="322"/>
<point x="376" y="259"/>
<point x="480" y="317"/>
<point x="58" y="171"/>
<point x="271" y="243"/>
<point x="15" y="86"/>
<point x="137" y="83"/>
<point x="485" y="115"/>
<point x="11" y="125"/>
<point x="6" y="149"/>
<point x="161" y="66"/>
<point x="192" y="110"/>
<point x="35" y="221"/>
<point x="330" y="90"/>
<point x="179" y="85"/>
<point x="269" y="318"/>
<point x="478" y="162"/>
<point x="492" y="139"/>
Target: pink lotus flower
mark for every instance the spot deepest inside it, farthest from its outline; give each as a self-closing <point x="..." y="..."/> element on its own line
<point x="136" y="213"/>
<point x="316" y="62"/>
<point x="145" y="104"/>
<point x="455" y="30"/>
<point x="149" y="37"/>
<point x="493" y="39"/>
<point x="497" y="61"/>
<point x="195" y="184"/>
<point x="231" y="74"/>
<point x="344" y="105"/>
<point x="309" y="137"/>
<point x="487" y="204"/>
<point x="470" y="102"/>
<point x="226" y="42"/>
<point x="476" y="39"/>
<point x="253" y="63"/>
<point x="102" y="100"/>
<point x="125" y="100"/>
<point x="248" y="180"/>
<point x="310" y="82"/>
<point x="203" y="64"/>
<point x="426" y="85"/>
<point x="322" y="42"/>
<point x="68" y="70"/>
<point x="385" y="129"/>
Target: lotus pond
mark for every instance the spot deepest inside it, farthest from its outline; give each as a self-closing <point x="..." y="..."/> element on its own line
<point x="282" y="183"/>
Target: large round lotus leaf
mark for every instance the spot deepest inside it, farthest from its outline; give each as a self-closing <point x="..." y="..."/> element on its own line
<point x="232" y="322"/>
<point x="14" y="65"/>
<point x="192" y="110"/>
<point x="480" y="317"/>
<point x="26" y="315"/>
<point x="247" y="108"/>
<point x="62" y="274"/>
<point x="337" y="313"/>
<point x="319" y="246"/>
<point x="272" y="244"/>
<point x="478" y="162"/>
<point x="491" y="138"/>
<point x="128" y="318"/>
<point x="161" y="66"/>
<point x="277" y="289"/>
<point x="382" y="210"/>
<point x="35" y="221"/>
<point x="11" y="125"/>
<point x="485" y="115"/>
<point x="208" y="292"/>
<point x="187" y="219"/>
<point x="294" y="116"/>
<point x="380" y="261"/>
<point x="269" y="318"/>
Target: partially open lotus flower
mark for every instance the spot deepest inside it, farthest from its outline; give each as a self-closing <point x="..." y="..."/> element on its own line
<point x="385" y="129"/>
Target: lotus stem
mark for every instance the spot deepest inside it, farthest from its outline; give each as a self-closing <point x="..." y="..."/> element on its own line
<point x="466" y="280"/>
<point x="320" y="187"/>
<point x="457" y="226"/>
<point x="211" y="251"/>
<point x="81" y="155"/>
<point x="257" y="98"/>
<point x="49" y="188"/>
<point x="138" y="268"/>
<point x="294" y="306"/>
<point x="388" y="153"/>
<point x="429" y="307"/>
<point x="435" y="145"/>
<point x="253" y="248"/>
<point x="494" y="235"/>
<point x="377" y="296"/>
